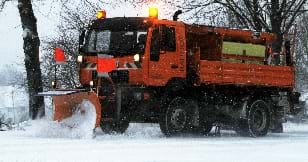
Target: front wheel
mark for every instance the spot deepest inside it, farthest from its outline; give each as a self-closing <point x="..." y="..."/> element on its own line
<point x="119" y="126"/>
<point x="177" y="119"/>
<point x="258" y="121"/>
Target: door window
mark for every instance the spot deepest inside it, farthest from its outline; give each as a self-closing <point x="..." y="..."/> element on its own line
<point x="168" y="42"/>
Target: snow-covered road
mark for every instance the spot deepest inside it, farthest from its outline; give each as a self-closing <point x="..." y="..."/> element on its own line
<point x="144" y="142"/>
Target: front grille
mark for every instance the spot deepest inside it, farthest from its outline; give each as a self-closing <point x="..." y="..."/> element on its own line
<point x="94" y="75"/>
<point x="120" y="76"/>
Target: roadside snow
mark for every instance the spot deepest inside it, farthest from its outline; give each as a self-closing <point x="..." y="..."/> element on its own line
<point x="145" y="143"/>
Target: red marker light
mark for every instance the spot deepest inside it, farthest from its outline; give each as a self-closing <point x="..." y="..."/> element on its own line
<point x="105" y="65"/>
<point x="59" y="55"/>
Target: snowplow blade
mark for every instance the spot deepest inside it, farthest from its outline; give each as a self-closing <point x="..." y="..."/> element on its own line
<point x="68" y="102"/>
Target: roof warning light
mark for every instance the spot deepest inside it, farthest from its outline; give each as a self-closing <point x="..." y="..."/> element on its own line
<point x="153" y="12"/>
<point x="101" y="14"/>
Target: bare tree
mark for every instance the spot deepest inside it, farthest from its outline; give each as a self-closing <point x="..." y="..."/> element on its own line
<point x="8" y="79"/>
<point x="301" y="57"/>
<point x="32" y="63"/>
<point x="31" y="51"/>
<point x="276" y="16"/>
<point x="74" y="19"/>
<point x="2" y="4"/>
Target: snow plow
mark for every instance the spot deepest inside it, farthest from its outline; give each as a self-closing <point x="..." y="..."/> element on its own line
<point x="67" y="102"/>
<point x="185" y="77"/>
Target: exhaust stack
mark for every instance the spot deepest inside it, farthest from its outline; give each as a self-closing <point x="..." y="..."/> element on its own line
<point x="176" y="15"/>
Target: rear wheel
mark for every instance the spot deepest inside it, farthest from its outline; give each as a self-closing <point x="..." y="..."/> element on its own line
<point x="258" y="121"/>
<point x="207" y="117"/>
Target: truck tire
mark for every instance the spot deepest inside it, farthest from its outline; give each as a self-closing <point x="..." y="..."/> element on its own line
<point x="115" y="126"/>
<point x="257" y="122"/>
<point x="277" y="128"/>
<point x="177" y="119"/>
<point x="164" y="102"/>
<point x="207" y="118"/>
<point x="206" y="128"/>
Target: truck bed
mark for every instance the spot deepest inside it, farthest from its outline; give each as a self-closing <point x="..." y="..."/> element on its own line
<point x="226" y="73"/>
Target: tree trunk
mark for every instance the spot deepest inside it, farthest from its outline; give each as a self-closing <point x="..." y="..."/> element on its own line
<point x="256" y="15"/>
<point x="276" y="23"/>
<point x="32" y="62"/>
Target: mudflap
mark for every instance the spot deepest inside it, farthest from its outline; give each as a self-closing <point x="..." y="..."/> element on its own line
<point x="66" y="103"/>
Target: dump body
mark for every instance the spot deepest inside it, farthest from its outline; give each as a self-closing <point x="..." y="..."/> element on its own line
<point x="214" y="66"/>
<point x="223" y="73"/>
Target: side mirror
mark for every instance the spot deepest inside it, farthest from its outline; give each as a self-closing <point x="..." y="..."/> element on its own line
<point x="81" y="39"/>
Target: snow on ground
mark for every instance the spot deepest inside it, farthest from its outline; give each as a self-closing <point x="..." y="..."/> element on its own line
<point x="79" y="126"/>
<point x="50" y="141"/>
<point x="145" y="143"/>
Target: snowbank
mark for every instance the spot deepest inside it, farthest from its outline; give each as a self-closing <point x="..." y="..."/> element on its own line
<point x="80" y="125"/>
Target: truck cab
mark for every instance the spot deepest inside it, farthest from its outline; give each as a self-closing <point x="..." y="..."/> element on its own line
<point x="146" y="51"/>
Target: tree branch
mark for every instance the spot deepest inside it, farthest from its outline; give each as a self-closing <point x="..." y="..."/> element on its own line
<point x="2" y="4"/>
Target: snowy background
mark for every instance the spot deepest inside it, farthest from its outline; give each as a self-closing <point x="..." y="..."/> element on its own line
<point x="45" y="140"/>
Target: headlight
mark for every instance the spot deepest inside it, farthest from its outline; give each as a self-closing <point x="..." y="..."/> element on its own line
<point x="79" y="59"/>
<point x="91" y="83"/>
<point x="53" y="83"/>
<point x="136" y="57"/>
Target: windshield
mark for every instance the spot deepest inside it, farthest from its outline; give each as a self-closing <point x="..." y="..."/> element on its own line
<point x="116" y="42"/>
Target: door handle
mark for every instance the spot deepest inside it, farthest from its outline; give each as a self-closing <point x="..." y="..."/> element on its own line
<point x="174" y="66"/>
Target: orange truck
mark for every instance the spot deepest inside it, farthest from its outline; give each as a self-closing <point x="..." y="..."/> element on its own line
<point x="185" y="77"/>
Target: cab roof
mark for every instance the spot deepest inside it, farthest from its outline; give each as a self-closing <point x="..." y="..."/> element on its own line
<point x="122" y="23"/>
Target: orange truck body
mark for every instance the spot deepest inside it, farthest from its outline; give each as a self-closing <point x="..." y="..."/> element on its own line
<point x="193" y="69"/>
<point x="211" y="71"/>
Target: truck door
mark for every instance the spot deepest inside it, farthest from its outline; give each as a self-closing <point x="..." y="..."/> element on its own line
<point x="167" y="55"/>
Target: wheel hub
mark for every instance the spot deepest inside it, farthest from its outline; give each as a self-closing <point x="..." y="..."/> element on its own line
<point x="178" y="119"/>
